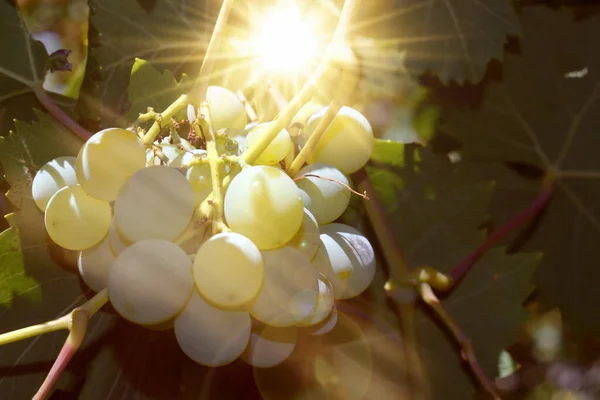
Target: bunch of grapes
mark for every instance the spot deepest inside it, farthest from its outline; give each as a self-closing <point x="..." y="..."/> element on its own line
<point x="276" y="266"/>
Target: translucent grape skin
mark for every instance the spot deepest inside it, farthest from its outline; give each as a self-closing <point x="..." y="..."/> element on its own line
<point x="269" y="346"/>
<point x="51" y="177"/>
<point x="107" y="160"/>
<point x="347" y="143"/>
<point x="291" y="289"/>
<point x="325" y="304"/>
<point x="346" y="258"/>
<point x="211" y="336"/>
<point x="75" y="220"/>
<point x="276" y="151"/>
<point x="95" y="264"/>
<point x="150" y="282"/>
<point x="226" y="110"/>
<point x="228" y="270"/>
<point x="325" y="199"/>
<point x="264" y="204"/>
<point x="116" y="241"/>
<point x="307" y="239"/>
<point x="157" y="202"/>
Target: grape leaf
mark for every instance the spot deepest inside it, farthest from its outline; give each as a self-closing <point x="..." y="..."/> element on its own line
<point x="170" y="35"/>
<point x="435" y="209"/>
<point x="21" y="66"/>
<point x="453" y="39"/>
<point x="150" y="88"/>
<point x="545" y="113"/>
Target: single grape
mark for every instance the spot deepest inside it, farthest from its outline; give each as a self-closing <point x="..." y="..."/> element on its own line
<point x="325" y="199"/>
<point x="75" y="220"/>
<point x="95" y="264"/>
<point x="198" y="175"/>
<point x="307" y="239"/>
<point x="346" y="258"/>
<point x="226" y="110"/>
<point x="269" y="346"/>
<point x="264" y="204"/>
<point x="157" y="202"/>
<point x="228" y="270"/>
<point x="346" y="144"/>
<point x="291" y="288"/>
<point x="325" y="304"/>
<point x="326" y="325"/>
<point x="276" y="150"/>
<point x="107" y="160"/>
<point x="210" y="336"/>
<point x="53" y="176"/>
<point x="116" y="240"/>
<point x="150" y="281"/>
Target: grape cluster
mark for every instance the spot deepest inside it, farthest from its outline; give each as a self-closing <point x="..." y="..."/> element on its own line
<point x="279" y="264"/>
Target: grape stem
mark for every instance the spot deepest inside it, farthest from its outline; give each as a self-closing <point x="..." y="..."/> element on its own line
<point x="467" y="351"/>
<point x="59" y="114"/>
<point x="76" y="322"/>
<point x="218" y="219"/>
<point x="198" y="93"/>
<point x="250" y="112"/>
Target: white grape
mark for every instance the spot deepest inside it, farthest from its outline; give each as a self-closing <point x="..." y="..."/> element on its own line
<point x="276" y="150"/>
<point x="107" y="160"/>
<point x="95" y="264"/>
<point x="325" y="199"/>
<point x="270" y="346"/>
<point x="53" y="176"/>
<point x="326" y="325"/>
<point x="226" y="110"/>
<point x="346" y="258"/>
<point x="325" y="304"/>
<point x="150" y="281"/>
<point x="155" y="203"/>
<point x="347" y="143"/>
<point x="198" y="175"/>
<point x="210" y="336"/>
<point x="116" y="240"/>
<point x="228" y="270"/>
<point x="75" y="220"/>
<point x="291" y="288"/>
<point x="264" y="204"/>
<point x="307" y="239"/>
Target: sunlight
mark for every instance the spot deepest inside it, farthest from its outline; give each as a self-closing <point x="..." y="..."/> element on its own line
<point x="283" y="41"/>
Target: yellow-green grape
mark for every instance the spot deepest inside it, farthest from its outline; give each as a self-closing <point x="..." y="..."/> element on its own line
<point x="270" y="346"/>
<point x="150" y="282"/>
<point x="226" y="110"/>
<point x="347" y="143"/>
<point x="291" y="288"/>
<point x="327" y="198"/>
<point x="156" y="202"/>
<point x="75" y="220"/>
<point x="211" y="336"/>
<point x="307" y="240"/>
<point x="346" y="258"/>
<point x="228" y="270"/>
<point x="115" y="239"/>
<point x="325" y="304"/>
<point x="53" y="176"/>
<point x="95" y="264"/>
<point x="107" y="160"/>
<point x="198" y="175"/>
<point x="326" y="325"/>
<point x="264" y="204"/>
<point x="276" y="151"/>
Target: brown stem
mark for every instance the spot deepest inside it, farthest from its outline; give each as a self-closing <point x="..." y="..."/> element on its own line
<point x="363" y="195"/>
<point x="467" y="351"/>
<point x="60" y="115"/>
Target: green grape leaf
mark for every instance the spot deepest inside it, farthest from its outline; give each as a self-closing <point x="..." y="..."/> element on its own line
<point x="149" y="88"/>
<point x="545" y="114"/>
<point x="453" y="39"/>
<point x="436" y="209"/>
<point x="13" y="278"/>
<point x="169" y="34"/>
<point x="21" y="67"/>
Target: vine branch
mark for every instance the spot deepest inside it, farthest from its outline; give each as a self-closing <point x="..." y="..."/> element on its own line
<point x="59" y="114"/>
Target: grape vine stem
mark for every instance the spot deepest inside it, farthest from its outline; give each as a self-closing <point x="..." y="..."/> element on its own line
<point x="59" y="114"/>
<point x="467" y="351"/>
<point x="198" y="93"/>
